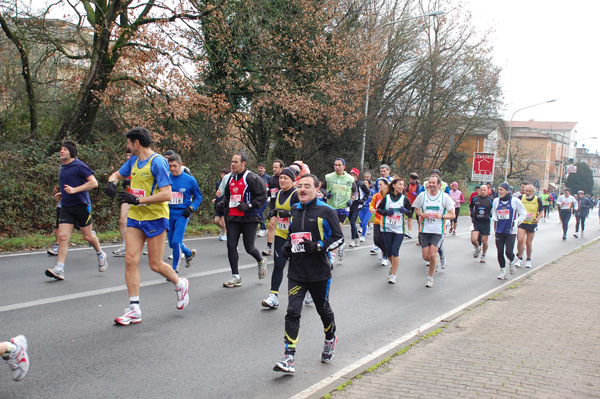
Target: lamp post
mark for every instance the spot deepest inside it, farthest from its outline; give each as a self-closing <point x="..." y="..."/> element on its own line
<point x="510" y="133"/>
<point x="364" y="136"/>
<point x="562" y="157"/>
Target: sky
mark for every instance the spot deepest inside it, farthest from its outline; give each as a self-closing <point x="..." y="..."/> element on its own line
<point x="547" y="50"/>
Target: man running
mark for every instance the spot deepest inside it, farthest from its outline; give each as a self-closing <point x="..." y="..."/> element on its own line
<point x="508" y="212"/>
<point x="262" y="172"/>
<point x="245" y="194"/>
<point x="273" y="186"/>
<point x="534" y="208"/>
<point x="147" y="221"/>
<point x="584" y="205"/>
<point x="340" y="186"/>
<point x="314" y="231"/>
<point x="521" y="192"/>
<point x="435" y="207"/>
<point x="566" y="205"/>
<point x="481" y="214"/>
<point x="75" y="180"/>
<point x="545" y="197"/>
<point x="184" y="188"/>
<point x="384" y="173"/>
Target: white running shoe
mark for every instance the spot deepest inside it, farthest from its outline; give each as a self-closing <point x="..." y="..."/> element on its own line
<point x="528" y="264"/>
<point x="223" y="237"/>
<point x="262" y="268"/>
<point x="308" y="300"/>
<point x="354" y="243"/>
<point x="409" y="235"/>
<point x="391" y="279"/>
<point x="429" y="283"/>
<point x="332" y="258"/>
<point x="133" y="315"/>
<point x="267" y="252"/>
<point x="374" y="251"/>
<point x="183" y="296"/>
<point x="286" y="365"/>
<point x="262" y="233"/>
<point x="102" y="262"/>
<point x="190" y="259"/>
<point x="361" y="238"/>
<point x="341" y="252"/>
<point x="380" y="255"/>
<point x="271" y="302"/>
<point x="18" y="360"/>
<point x="56" y="273"/>
<point x="385" y="262"/>
<point x="513" y="267"/>
<point x="502" y="275"/>
<point x="477" y="252"/>
<point x="233" y="282"/>
<point x="53" y="251"/>
<point x="329" y="350"/>
<point x="443" y="261"/>
<point x="482" y="260"/>
<point x="119" y="251"/>
<point x="517" y="262"/>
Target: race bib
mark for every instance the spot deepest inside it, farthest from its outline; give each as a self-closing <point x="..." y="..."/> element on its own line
<point x="176" y="198"/>
<point x="394" y="220"/>
<point x="529" y="217"/>
<point x="503" y="214"/>
<point x="235" y="200"/>
<point x="274" y="192"/>
<point x="138" y="193"/>
<point x="283" y="223"/>
<point x="298" y="241"/>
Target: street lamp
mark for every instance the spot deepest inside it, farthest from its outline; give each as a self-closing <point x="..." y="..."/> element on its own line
<point x="510" y="133"/>
<point x="364" y="136"/>
<point x="562" y="157"/>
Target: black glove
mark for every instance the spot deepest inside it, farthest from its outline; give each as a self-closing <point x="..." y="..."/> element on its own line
<point x="384" y="212"/>
<point x="220" y="206"/>
<point x="126" y="183"/>
<point x="271" y="213"/>
<point x="282" y="213"/>
<point x="329" y="195"/>
<point x="286" y="250"/>
<point x="402" y="210"/>
<point x="111" y="189"/>
<point x="360" y="201"/>
<point x="310" y="246"/>
<point x="187" y="212"/>
<point x="128" y="198"/>
<point x="243" y="207"/>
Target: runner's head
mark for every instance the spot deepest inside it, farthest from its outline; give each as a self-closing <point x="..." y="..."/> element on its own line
<point x="483" y="190"/>
<point x="567" y="192"/>
<point x="503" y="189"/>
<point x="436" y="172"/>
<point x="413" y="177"/>
<point x="529" y="191"/>
<point x="382" y="185"/>
<point x="128" y="153"/>
<point x="355" y="173"/>
<point x="307" y="188"/>
<point x="138" y="138"/>
<point x="224" y="171"/>
<point x="524" y="184"/>
<point x="454" y="185"/>
<point x="397" y="186"/>
<point x="286" y="178"/>
<point x="339" y="165"/>
<point x="367" y="175"/>
<point x="175" y="164"/>
<point x="278" y="165"/>
<point x="261" y="168"/>
<point x="68" y="151"/>
<point x="580" y="193"/>
<point x="384" y="170"/>
<point x="238" y="163"/>
<point x="434" y="183"/>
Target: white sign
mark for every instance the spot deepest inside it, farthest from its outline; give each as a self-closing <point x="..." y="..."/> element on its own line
<point x="483" y="166"/>
<point x="571" y="169"/>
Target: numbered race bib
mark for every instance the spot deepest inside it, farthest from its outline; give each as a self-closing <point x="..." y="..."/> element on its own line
<point x="176" y="198"/>
<point x="298" y="241"/>
<point x="137" y="192"/>
<point x="503" y="214"/>
<point x="529" y="217"/>
<point x="235" y="200"/>
<point x="394" y="220"/>
<point x="283" y="223"/>
<point x="274" y="192"/>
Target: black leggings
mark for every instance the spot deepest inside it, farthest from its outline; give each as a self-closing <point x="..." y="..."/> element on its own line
<point x="579" y="220"/>
<point x="279" y="262"/>
<point x="319" y="290"/>
<point x="378" y="237"/>
<point x="505" y="243"/>
<point x="234" y="230"/>
<point x="353" y="217"/>
<point x="565" y="216"/>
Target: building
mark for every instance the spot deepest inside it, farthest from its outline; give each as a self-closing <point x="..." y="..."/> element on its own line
<point x="592" y="159"/>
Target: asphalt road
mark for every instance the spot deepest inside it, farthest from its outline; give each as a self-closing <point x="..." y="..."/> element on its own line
<point x="224" y="344"/>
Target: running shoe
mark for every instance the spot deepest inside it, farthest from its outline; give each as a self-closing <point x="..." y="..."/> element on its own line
<point x="341" y="252"/>
<point x="120" y="251"/>
<point x="308" y="300"/>
<point x="56" y="273"/>
<point x="391" y="279"/>
<point x="133" y="315"/>
<point x="271" y="302"/>
<point x="328" y="349"/>
<point x="262" y="268"/>
<point x="517" y="262"/>
<point x="102" y="262"/>
<point x="482" y="260"/>
<point x="582" y="234"/>
<point x="332" y="258"/>
<point x="223" y="237"/>
<point x="361" y="238"/>
<point x="183" y="296"/>
<point x="408" y="235"/>
<point x="512" y="267"/>
<point x="359" y="229"/>
<point x="267" y="252"/>
<point x="190" y="259"/>
<point x="262" y="233"/>
<point x="18" y="360"/>
<point x="429" y="283"/>
<point x="502" y="275"/>
<point x="180" y="256"/>
<point x="453" y="232"/>
<point x="575" y="235"/>
<point x="380" y="255"/>
<point x="477" y="252"/>
<point x="286" y="365"/>
<point x="233" y="282"/>
<point x="443" y="261"/>
<point x="354" y="243"/>
<point x="53" y="251"/>
<point x="564" y="237"/>
<point x="374" y="251"/>
<point x="385" y="262"/>
<point x="528" y="264"/>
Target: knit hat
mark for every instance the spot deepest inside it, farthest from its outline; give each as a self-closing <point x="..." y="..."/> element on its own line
<point x="505" y="186"/>
<point x="436" y="171"/>
<point x="342" y="160"/>
<point x="414" y="176"/>
<point x="355" y="171"/>
<point x="72" y="147"/>
<point x="289" y="172"/>
<point x="169" y="153"/>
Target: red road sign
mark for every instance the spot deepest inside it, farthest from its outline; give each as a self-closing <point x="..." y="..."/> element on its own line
<point x="483" y="166"/>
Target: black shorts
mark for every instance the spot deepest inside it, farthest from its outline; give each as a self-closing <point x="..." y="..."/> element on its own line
<point x="483" y="227"/>
<point x="427" y="239"/>
<point x="530" y="228"/>
<point x="80" y="215"/>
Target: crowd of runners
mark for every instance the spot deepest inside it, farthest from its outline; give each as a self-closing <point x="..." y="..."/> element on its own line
<point x="302" y="218"/>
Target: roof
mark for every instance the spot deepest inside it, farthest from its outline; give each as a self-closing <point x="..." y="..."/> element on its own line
<point x="531" y="135"/>
<point x="542" y="125"/>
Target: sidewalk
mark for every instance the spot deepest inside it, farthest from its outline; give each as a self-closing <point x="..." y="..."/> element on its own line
<point x="538" y="339"/>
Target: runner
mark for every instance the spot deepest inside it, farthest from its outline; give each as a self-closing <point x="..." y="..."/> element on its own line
<point x="219" y="218"/>
<point x="566" y="204"/>
<point x="378" y="239"/>
<point x="148" y="219"/>
<point x="184" y="187"/>
<point x="446" y="189"/>
<point x="521" y="192"/>
<point x="545" y="197"/>
<point x="123" y="214"/>
<point x="358" y="200"/>
<point x="245" y="194"/>
<point x="581" y="213"/>
<point x="457" y="197"/>
<point x="392" y="209"/>
<point x="284" y="199"/>
<point x="278" y="166"/>
<point x="434" y="206"/>
<point x="534" y="208"/>
<point x="412" y="190"/>
<point x="262" y="231"/>
<point x="481" y="213"/>
<point x="75" y="180"/>
<point x="15" y="354"/>
<point x="508" y="212"/>
<point x="365" y="214"/>
<point x="384" y="172"/>
<point x="314" y="231"/>
<point x="340" y="186"/>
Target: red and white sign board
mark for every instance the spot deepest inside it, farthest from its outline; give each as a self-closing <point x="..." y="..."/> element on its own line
<point x="483" y="166"/>
<point x="571" y="169"/>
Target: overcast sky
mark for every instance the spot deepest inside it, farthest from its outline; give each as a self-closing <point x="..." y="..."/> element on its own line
<point x="547" y="50"/>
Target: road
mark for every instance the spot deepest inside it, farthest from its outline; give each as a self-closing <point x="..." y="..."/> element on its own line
<point x="224" y="344"/>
